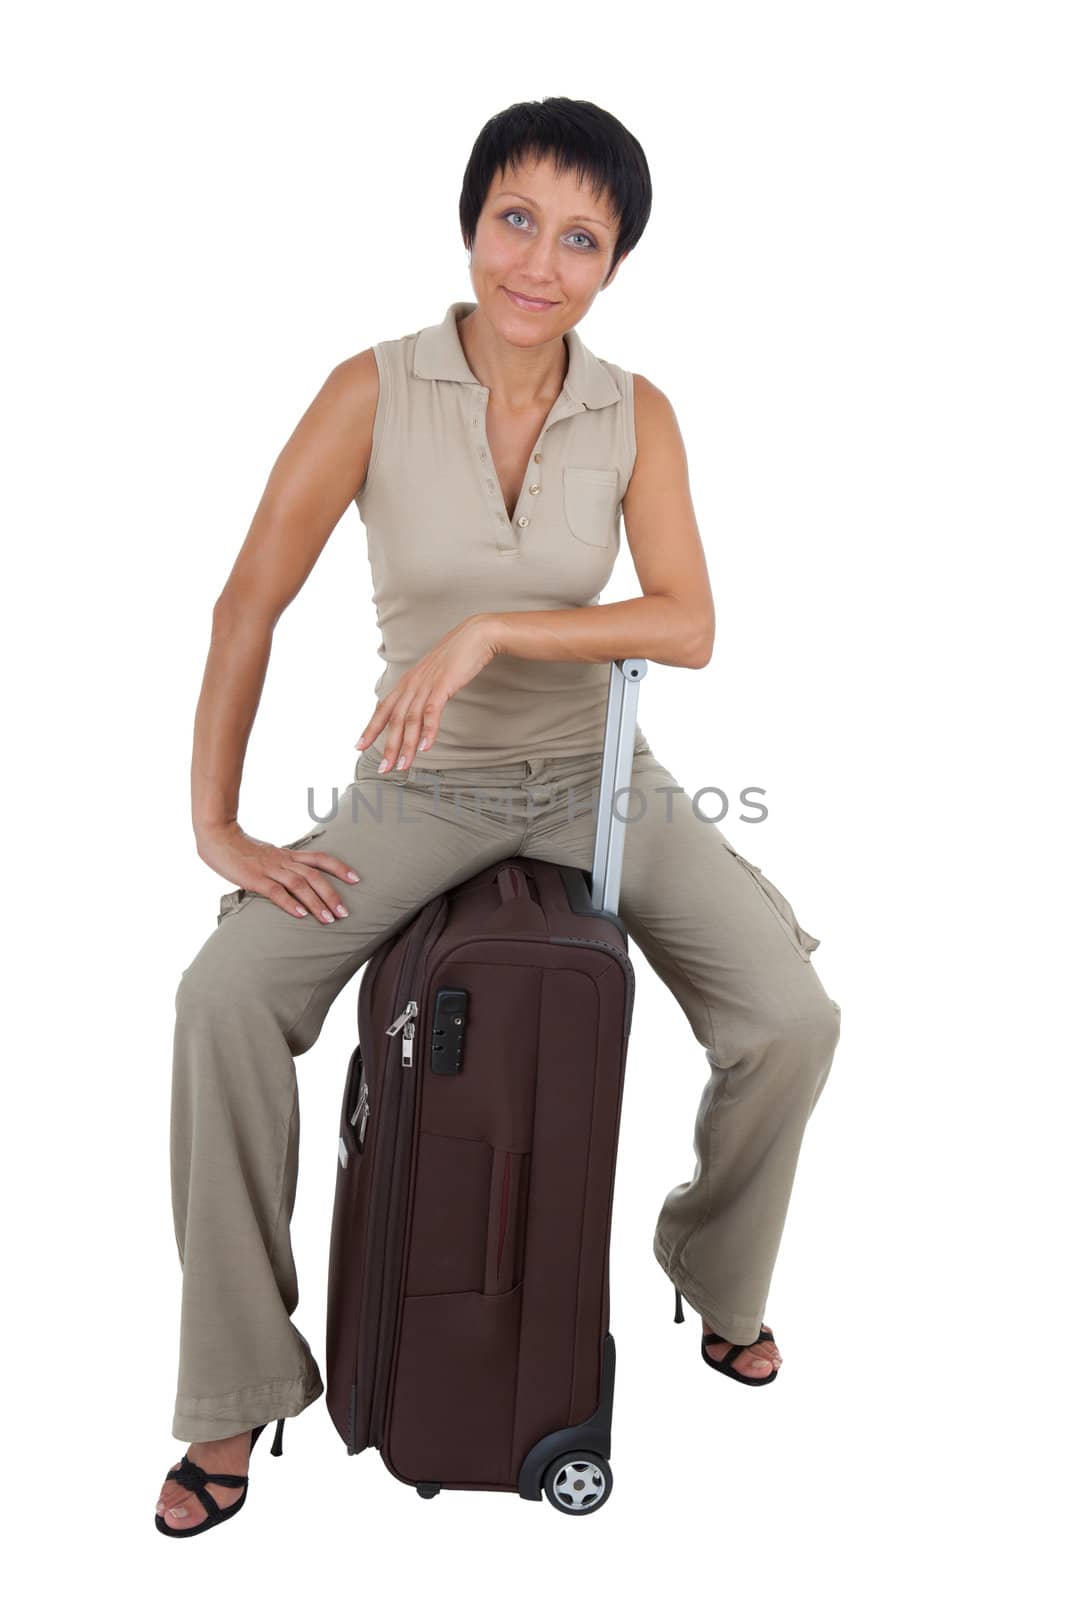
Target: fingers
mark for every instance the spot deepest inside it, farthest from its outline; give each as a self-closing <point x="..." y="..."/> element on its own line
<point x="328" y="863"/>
<point x="382" y="713"/>
<point x="410" y="735"/>
<point x="309" y="889"/>
<point x="412" y="718"/>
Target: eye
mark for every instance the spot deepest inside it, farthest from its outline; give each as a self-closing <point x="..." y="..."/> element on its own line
<point x="579" y="233"/>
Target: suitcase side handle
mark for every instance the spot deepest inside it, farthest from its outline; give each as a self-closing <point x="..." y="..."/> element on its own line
<point x="512" y="884"/>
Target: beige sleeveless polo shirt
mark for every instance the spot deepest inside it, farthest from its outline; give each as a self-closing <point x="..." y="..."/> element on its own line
<point x="441" y="545"/>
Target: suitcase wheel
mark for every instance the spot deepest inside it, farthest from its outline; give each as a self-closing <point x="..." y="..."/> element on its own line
<point x="577" y="1483"/>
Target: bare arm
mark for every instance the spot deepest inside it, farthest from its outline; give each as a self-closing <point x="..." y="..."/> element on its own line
<point x="322" y="465"/>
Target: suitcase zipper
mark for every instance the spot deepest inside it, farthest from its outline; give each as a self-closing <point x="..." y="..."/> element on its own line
<point x="403" y="1135"/>
<point x="379" y="1310"/>
<point x="405" y="1020"/>
<point x="361" y="1112"/>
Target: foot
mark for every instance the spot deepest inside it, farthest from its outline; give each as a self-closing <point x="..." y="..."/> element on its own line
<point x="183" y="1508"/>
<point x="755" y="1362"/>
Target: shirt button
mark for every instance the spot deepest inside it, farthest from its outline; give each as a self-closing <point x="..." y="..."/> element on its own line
<point x="537" y="458"/>
<point x="523" y="521"/>
<point x="535" y="488"/>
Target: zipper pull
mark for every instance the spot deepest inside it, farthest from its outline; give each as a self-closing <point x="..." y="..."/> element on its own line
<point x="404" y="1020"/>
<point x="362" y="1106"/>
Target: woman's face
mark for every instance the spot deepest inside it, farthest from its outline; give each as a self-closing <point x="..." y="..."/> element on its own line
<point x="542" y="236"/>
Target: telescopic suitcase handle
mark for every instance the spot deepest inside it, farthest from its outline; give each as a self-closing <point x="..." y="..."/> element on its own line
<point x="619" y="732"/>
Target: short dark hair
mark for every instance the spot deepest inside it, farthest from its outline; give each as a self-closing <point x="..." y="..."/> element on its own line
<point x="584" y="139"/>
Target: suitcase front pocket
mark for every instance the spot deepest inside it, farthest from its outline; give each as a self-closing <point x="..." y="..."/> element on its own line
<point x="505" y="1238"/>
<point x="453" y="1406"/>
<point x="448" y="1224"/>
<point x="468" y="1228"/>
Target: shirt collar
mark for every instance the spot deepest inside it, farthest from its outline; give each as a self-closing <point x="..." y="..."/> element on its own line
<point x="439" y="354"/>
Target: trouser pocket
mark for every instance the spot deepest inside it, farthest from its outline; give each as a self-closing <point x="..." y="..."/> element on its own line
<point x="803" y="942"/>
<point x="234" y="899"/>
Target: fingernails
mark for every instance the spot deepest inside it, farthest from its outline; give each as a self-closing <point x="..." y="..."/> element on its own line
<point x="352" y="876"/>
<point x="384" y="764"/>
<point x="342" y="911"/>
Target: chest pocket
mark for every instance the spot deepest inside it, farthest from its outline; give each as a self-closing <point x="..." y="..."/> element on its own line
<point x="590" y="503"/>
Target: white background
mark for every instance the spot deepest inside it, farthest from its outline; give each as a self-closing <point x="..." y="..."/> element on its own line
<point x="851" y="289"/>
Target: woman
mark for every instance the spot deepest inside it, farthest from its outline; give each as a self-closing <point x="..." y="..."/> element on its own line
<point x="489" y="455"/>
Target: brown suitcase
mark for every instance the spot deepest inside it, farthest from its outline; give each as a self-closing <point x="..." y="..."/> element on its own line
<point x="467" y="1321"/>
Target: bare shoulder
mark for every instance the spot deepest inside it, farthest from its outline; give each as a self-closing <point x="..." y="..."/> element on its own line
<point x="655" y="421"/>
<point x="331" y="442"/>
<point x="351" y="394"/>
<point x="660" y="448"/>
<point x="321" y="466"/>
<point x="357" y="374"/>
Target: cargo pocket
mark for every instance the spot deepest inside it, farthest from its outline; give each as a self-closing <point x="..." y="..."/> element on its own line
<point x="590" y="503"/>
<point x="305" y="838"/>
<point x="802" y="941"/>
<point x="234" y="899"/>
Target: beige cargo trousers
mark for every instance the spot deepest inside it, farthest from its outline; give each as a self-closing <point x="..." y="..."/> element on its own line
<point x="721" y="936"/>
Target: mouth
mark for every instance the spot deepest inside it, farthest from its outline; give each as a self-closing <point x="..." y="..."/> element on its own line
<point x="526" y="303"/>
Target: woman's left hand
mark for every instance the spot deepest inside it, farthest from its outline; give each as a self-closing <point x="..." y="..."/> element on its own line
<point x="412" y="711"/>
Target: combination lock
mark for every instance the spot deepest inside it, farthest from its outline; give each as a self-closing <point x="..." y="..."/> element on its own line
<point x="449" y="1028"/>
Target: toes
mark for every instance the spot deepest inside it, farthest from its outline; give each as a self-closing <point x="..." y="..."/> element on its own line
<point x="184" y="1513"/>
<point x="763" y="1359"/>
<point x="179" y="1508"/>
<point x="757" y="1362"/>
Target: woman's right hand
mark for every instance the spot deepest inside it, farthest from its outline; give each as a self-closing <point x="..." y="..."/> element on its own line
<point x="295" y="880"/>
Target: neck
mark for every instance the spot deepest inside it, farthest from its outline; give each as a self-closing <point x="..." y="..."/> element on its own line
<point x="518" y="378"/>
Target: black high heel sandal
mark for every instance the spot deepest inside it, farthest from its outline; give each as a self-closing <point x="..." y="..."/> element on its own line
<point x="191" y="1475"/>
<point x="726" y="1363"/>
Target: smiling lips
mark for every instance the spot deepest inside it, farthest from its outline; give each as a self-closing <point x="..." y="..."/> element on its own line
<point x="526" y="303"/>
